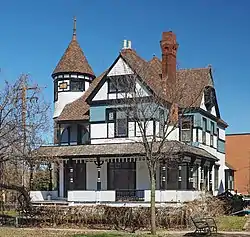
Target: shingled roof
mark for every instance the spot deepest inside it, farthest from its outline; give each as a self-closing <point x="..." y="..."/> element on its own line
<point x="120" y="149"/>
<point x="73" y="60"/>
<point x="192" y="81"/>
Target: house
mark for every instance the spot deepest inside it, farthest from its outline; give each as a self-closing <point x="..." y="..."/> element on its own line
<point x="238" y="155"/>
<point x="101" y="156"/>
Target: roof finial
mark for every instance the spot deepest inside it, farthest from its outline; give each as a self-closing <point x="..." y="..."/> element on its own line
<point x="74" y="29"/>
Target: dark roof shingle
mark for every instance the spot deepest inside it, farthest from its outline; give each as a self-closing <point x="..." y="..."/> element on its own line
<point x="118" y="149"/>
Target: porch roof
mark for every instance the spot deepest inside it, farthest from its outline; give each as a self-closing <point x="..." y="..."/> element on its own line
<point x="120" y="150"/>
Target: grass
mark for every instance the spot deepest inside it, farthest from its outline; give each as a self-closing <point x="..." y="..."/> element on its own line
<point x="224" y="223"/>
<point x="19" y="232"/>
<point x="231" y="223"/>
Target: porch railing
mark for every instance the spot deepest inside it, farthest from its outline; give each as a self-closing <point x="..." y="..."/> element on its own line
<point x="129" y="195"/>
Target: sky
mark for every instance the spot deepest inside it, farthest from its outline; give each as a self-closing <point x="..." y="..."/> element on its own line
<point x="35" y="34"/>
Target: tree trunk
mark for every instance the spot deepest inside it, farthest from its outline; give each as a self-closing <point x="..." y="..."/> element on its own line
<point x="152" y="202"/>
<point x="31" y="178"/>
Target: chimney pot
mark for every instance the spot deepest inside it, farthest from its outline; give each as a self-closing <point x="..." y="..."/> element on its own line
<point x="124" y="44"/>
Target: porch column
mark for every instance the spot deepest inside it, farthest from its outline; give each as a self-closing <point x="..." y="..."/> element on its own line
<point x="71" y="174"/>
<point x="50" y="177"/>
<point x="199" y="177"/>
<point x="61" y="179"/>
<point x="99" y="163"/>
<point x="163" y="176"/>
<point x="210" y="180"/>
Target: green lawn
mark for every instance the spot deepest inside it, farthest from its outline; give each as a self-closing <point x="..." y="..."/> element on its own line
<point x="224" y="223"/>
<point x="231" y="223"/>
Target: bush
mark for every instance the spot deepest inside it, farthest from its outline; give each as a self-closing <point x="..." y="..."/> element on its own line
<point x="119" y="218"/>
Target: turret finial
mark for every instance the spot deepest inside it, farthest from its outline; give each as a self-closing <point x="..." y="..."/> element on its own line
<point x="74" y="29"/>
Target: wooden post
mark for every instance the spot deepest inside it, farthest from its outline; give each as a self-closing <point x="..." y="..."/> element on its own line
<point x="71" y="174"/>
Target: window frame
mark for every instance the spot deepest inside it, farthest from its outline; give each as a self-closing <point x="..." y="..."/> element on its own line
<point x="118" y="90"/>
<point x="204" y="130"/>
<point x="79" y="81"/>
<point x="212" y="129"/>
<point x="114" y="121"/>
<point x="190" y="119"/>
<point x="115" y="124"/>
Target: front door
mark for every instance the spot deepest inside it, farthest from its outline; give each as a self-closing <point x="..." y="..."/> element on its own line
<point x="122" y="178"/>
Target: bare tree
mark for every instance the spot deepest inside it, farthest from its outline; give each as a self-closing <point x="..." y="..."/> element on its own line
<point x="156" y="113"/>
<point x="24" y="123"/>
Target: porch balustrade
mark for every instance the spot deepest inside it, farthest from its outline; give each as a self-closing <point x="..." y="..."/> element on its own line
<point x="129" y="195"/>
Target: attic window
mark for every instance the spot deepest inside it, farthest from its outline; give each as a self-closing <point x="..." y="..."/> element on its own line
<point x="209" y="97"/>
<point x="120" y="84"/>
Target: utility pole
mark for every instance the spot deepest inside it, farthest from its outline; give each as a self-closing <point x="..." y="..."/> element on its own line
<point x="24" y="88"/>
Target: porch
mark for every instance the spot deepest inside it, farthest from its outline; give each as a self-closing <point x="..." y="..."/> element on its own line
<point x="92" y="174"/>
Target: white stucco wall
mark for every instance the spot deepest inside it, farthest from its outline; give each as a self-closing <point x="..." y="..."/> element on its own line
<point x="102" y="93"/>
<point x="202" y="106"/>
<point x="142" y="175"/>
<point x="91" y="178"/>
<point x="120" y="68"/>
<point x="222" y="134"/>
<point x="98" y="130"/>
<point x="63" y="99"/>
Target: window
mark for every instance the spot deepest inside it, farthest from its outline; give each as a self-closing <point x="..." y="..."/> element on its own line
<point x="195" y="177"/>
<point x="120" y="120"/>
<point x="186" y="129"/>
<point x="212" y="134"/>
<point x="55" y="91"/>
<point x="121" y="124"/>
<point x="204" y="129"/>
<point x="216" y="177"/>
<point x="197" y="135"/>
<point x="77" y="85"/>
<point x="218" y="138"/>
<point x="229" y="179"/>
<point x="118" y="84"/>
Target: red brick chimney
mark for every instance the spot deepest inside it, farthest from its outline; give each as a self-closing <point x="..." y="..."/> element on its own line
<point x="169" y="48"/>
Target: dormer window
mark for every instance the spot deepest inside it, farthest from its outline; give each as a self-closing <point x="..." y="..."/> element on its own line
<point x="209" y="97"/>
<point x="120" y="84"/>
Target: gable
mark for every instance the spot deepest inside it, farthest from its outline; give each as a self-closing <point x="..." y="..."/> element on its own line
<point x="214" y="110"/>
<point x="119" y="68"/>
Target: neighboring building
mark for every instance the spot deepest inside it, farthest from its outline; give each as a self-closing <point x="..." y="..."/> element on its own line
<point x="101" y="157"/>
<point x="238" y="155"/>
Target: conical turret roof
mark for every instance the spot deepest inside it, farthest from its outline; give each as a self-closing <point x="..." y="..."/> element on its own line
<point x="73" y="59"/>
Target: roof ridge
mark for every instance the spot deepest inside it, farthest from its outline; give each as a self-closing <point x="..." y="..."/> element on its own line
<point x="189" y="69"/>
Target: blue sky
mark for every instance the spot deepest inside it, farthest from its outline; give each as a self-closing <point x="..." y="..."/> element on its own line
<point x="34" y="35"/>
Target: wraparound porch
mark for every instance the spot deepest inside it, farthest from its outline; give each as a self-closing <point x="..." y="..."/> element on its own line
<point x="118" y="173"/>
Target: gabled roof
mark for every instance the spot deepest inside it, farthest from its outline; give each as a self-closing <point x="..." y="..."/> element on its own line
<point x="192" y="81"/>
<point x="73" y="60"/>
